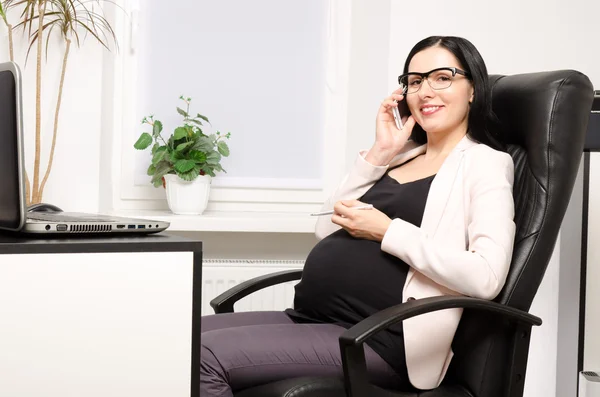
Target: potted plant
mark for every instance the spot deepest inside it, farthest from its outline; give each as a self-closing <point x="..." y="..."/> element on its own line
<point x="185" y="163"/>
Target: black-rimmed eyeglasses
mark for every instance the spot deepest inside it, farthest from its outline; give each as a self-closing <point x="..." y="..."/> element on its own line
<point x="438" y="79"/>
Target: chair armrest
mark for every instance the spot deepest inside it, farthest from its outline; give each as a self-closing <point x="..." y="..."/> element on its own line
<point x="383" y="319"/>
<point x="351" y="341"/>
<point x="224" y="302"/>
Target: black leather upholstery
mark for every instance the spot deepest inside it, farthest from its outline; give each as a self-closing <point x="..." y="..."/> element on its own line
<point x="332" y="387"/>
<point x="543" y="117"/>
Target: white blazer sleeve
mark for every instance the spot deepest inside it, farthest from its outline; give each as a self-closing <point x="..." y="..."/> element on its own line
<point x="357" y="182"/>
<point x="481" y="270"/>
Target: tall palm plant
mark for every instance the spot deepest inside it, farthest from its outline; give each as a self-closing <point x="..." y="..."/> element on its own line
<point x="68" y="18"/>
<point x="29" y="14"/>
<point x="3" y="8"/>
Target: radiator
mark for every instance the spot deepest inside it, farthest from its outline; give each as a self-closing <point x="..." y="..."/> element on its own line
<point x="218" y="275"/>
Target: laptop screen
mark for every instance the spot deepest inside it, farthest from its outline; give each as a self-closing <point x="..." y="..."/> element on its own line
<point x="10" y="196"/>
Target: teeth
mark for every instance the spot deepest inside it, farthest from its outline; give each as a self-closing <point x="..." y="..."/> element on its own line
<point x="429" y="109"/>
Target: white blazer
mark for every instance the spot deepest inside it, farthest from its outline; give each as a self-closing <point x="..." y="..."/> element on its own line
<point x="463" y="247"/>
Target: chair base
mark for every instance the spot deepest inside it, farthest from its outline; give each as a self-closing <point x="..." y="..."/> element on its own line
<point x="334" y="387"/>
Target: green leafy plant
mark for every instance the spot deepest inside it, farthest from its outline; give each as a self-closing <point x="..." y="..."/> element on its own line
<point x="188" y="152"/>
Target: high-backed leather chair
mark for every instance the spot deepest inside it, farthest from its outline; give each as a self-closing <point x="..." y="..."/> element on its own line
<point x="543" y="117"/>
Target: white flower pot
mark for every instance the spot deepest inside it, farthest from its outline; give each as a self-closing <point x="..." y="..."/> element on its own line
<point x="187" y="197"/>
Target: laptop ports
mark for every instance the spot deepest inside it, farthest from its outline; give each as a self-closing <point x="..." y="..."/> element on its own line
<point x="141" y="226"/>
<point x="120" y="226"/>
<point x="130" y="226"/>
<point x="61" y="228"/>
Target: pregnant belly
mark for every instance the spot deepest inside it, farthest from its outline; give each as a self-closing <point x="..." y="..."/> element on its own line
<point x="346" y="279"/>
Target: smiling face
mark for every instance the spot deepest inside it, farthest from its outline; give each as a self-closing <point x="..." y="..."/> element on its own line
<point x="440" y="111"/>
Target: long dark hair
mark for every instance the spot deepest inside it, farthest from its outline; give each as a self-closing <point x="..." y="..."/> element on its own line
<point x="481" y="117"/>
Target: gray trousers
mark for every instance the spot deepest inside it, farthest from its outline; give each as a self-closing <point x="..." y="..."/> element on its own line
<point x="245" y="349"/>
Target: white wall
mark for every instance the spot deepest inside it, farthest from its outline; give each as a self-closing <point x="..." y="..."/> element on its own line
<point x="513" y="36"/>
<point x="370" y="40"/>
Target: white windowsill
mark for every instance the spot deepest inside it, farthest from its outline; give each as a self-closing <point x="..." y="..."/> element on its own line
<point x="221" y="221"/>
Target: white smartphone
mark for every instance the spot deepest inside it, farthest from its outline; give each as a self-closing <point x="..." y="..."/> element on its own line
<point x="397" y="118"/>
<point x="401" y="111"/>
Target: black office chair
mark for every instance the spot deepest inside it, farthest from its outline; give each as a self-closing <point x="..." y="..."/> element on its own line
<point x="544" y="118"/>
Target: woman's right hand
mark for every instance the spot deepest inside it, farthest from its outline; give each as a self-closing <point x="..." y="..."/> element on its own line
<point x="389" y="140"/>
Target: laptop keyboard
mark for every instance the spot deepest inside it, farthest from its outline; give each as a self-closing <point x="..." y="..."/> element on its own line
<point x="74" y="217"/>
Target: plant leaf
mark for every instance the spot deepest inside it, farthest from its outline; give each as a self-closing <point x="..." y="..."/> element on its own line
<point x="183" y="166"/>
<point x="175" y="155"/>
<point x="197" y="156"/>
<point x="157" y="129"/>
<point x="143" y="141"/>
<point x="182" y="112"/>
<point x="151" y="170"/>
<point x="190" y="175"/>
<point x="213" y="158"/>
<point x="223" y="148"/>
<point x="182" y="146"/>
<point x="218" y="167"/>
<point x="180" y="133"/>
<point x="159" y="155"/>
<point x="203" y="118"/>
<point x="155" y="147"/>
<point x="157" y="180"/>
<point x="162" y="169"/>
<point x="204" y="144"/>
<point x="209" y="171"/>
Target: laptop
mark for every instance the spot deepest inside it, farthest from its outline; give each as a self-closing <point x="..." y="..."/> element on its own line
<point x="47" y="219"/>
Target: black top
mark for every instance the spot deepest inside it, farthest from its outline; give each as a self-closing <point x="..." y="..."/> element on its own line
<point x="346" y="279"/>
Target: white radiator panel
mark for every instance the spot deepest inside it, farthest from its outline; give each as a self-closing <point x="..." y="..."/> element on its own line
<point x="218" y="275"/>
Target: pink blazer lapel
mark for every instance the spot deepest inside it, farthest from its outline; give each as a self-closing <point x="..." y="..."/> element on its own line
<point x="439" y="192"/>
<point x="441" y="187"/>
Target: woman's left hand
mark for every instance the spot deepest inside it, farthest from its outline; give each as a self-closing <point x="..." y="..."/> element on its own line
<point x="366" y="224"/>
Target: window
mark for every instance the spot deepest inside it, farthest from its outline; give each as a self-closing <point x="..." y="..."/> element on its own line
<point x="266" y="71"/>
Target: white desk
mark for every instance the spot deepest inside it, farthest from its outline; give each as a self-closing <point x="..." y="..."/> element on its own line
<point x="101" y="317"/>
